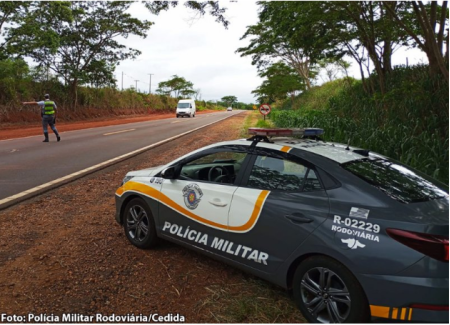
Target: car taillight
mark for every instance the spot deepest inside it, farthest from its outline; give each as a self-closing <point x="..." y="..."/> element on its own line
<point x="431" y="245"/>
<point x="430" y="307"/>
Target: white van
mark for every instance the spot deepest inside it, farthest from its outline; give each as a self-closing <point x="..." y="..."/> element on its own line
<point x="186" y="107"/>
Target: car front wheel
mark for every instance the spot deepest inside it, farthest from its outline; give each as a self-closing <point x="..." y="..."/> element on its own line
<point x="139" y="225"/>
<point x="327" y="292"/>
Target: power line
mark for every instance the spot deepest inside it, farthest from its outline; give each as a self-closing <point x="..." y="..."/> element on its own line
<point x="136" y="80"/>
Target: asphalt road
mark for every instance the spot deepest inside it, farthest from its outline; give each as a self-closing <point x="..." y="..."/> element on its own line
<point x="28" y="163"/>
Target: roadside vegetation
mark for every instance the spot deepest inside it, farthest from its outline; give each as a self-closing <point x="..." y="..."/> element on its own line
<point x="409" y="124"/>
<point x="75" y="50"/>
<point x="19" y="82"/>
<point x="399" y="111"/>
<point x="258" y="302"/>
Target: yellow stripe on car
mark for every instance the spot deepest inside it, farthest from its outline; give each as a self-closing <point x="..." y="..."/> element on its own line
<point x="394" y="313"/>
<point x="391" y="312"/>
<point x="379" y="311"/>
<point x="286" y="149"/>
<point x="164" y="199"/>
<point x="403" y="314"/>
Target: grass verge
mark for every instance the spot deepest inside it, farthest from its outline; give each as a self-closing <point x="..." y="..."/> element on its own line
<point x="251" y="301"/>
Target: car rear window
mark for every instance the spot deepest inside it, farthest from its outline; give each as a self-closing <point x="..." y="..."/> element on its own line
<point x="397" y="181"/>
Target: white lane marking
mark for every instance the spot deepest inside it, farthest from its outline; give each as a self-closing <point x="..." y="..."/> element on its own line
<point x="175" y="122"/>
<point x="119" y="131"/>
<point x="103" y="164"/>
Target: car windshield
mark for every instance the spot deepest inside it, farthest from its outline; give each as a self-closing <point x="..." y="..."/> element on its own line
<point x="397" y="181"/>
<point x="183" y="105"/>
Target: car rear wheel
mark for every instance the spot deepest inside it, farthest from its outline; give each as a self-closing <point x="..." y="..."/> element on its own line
<point x="139" y="225"/>
<point x="327" y="292"/>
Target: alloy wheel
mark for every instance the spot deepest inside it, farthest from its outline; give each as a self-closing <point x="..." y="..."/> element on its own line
<point x="137" y="223"/>
<point x="325" y="295"/>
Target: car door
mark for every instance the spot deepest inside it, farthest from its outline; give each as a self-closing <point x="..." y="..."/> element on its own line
<point x="194" y="207"/>
<point x="291" y="203"/>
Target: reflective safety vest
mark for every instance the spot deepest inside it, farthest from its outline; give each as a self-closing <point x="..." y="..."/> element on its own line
<point x="48" y="108"/>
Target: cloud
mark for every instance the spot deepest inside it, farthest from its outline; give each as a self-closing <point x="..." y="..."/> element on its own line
<point x="197" y="48"/>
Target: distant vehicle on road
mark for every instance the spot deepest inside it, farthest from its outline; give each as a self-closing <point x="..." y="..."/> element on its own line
<point x="355" y="235"/>
<point x="186" y="107"/>
<point x="229" y="109"/>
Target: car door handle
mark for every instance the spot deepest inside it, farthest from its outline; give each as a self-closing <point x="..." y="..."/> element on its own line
<point x="298" y="218"/>
<point x="218" y="203"/>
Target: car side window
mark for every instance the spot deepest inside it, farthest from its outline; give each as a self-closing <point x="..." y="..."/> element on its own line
<point x="271" y="173"/>
<point x="218" y="167"/>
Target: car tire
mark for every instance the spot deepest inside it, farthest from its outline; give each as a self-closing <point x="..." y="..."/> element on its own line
<point x="178" y="116"/>
<point x="139" y="225"/>
<point x="325" y="291"/>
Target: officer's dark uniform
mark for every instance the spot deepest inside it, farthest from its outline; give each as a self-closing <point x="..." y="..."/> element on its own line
<point x="48" y="118"/>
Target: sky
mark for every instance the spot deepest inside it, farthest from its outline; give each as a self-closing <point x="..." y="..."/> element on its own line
<point x="198" y="49"/>
<point x="202" y="51"/>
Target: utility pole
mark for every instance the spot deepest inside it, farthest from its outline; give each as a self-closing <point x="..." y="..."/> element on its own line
<point x="150" y="85"/>
<point x="136" y="85"/>
<point x="122" y="80"/>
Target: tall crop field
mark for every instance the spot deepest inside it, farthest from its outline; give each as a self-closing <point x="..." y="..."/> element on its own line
<point x="409" y="123"/>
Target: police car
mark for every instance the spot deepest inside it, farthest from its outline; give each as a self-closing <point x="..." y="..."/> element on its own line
<point x="353" y="234"/>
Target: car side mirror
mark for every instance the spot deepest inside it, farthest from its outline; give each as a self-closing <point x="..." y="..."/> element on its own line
<point x="168" y="173"/>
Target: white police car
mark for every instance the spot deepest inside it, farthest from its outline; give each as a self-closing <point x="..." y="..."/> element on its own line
<point x="353" y="234"/>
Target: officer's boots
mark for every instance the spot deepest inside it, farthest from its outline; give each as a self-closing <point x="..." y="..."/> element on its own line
<point x="46" y="137"/>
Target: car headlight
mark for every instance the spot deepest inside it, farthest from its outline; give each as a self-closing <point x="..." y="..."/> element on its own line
<point x="126" y="179"/>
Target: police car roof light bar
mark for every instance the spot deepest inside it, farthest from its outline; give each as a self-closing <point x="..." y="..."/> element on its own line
<point x="305" y="132"/>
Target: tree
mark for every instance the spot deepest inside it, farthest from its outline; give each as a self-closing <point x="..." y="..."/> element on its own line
<point x="14" y="69"/>
<point x="198" y="94"/>
<point x="431" y="36"/>
<point x="99" y="74"/>
<point x="78" y="40"/>
<point x="291" y="32"/>
<point x="35" y="19"/>
<point x="215" y="10"/>
<point x="334" y="68"/>
<point x="229" y="100"/>
<point x="89" y="39"/>
<point x="281" y="81"/>
<point x="371" y="28"/>
<point x="177" y="85"/>
<point x="305" y="32"/>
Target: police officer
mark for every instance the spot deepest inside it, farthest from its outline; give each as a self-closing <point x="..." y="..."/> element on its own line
<point x="48" y="114"/>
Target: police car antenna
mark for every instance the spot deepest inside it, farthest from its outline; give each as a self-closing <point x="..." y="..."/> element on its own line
<point x="348" y="145"/>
